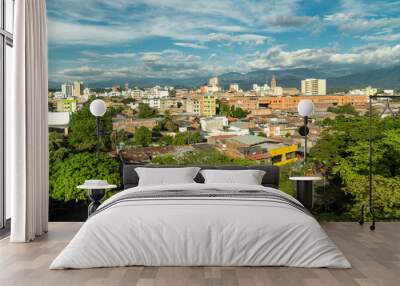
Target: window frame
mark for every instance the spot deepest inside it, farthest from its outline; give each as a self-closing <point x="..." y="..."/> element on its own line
<point x="6" y="39"/>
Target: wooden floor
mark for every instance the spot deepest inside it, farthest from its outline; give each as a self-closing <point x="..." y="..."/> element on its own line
<point x="375" y="257"/>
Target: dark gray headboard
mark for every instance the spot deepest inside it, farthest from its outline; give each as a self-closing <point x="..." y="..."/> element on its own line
<point x="130" y="178"/>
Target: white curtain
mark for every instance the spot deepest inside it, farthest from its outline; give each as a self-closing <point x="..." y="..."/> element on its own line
<point x="26" y="120"/>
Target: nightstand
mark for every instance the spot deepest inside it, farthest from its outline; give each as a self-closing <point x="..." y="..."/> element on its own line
<point x="304" y="192"/>
<point x="96" y="191"/>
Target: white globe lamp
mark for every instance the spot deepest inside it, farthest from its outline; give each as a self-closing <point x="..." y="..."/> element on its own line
<point x="305" y="107"/>
<point x="98" y="107"/>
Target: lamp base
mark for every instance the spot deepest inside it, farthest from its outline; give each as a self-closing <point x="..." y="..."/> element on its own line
<point x="95" y="196"/>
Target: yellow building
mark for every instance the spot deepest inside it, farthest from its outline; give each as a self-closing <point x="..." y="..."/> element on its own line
<point x="66" y="105"/>
<point x="258" y="149"/>
<point x="282" y="155"/>
<point x="208" y="105"/>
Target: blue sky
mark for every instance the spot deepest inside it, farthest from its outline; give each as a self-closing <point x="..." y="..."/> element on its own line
<point x="103" y="40"/>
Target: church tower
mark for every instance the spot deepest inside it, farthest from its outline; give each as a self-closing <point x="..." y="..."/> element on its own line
<point x="273" y="82"/>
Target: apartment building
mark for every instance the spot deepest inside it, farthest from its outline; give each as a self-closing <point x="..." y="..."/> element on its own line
<point x="192" y="105"/>
<point x="66" y="105"/>
<point x="67" y="89"/>
<point x="313" y="86"/>
<point x="208" y="105"/>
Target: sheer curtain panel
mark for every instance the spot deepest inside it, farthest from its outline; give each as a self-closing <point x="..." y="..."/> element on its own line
<point x="27" y="134"/>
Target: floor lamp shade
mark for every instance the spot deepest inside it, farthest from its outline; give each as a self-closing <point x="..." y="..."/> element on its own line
<point x="98" y="107"/>
<point x="305" y="107"/>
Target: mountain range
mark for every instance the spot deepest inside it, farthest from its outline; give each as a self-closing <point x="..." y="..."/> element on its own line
<point x="385" y="78"/>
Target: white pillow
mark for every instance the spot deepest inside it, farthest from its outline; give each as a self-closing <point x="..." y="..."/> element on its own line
<point x="248" y="177"/>
<point x="166" y="176"/>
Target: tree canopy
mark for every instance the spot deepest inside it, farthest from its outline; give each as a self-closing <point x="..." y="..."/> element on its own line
<point x="143" y="136"/>
<point x="77" y="168"/>
<point x="82" y="135"/>
<point x="210" y="157"/>
<point x="145" y="111"/>
<point x="344" y="109"/>
<point x="342" y="153"/>
<point x="233" y="111"/>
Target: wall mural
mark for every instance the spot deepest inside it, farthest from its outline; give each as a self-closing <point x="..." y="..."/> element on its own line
<point x="219" y="83"/>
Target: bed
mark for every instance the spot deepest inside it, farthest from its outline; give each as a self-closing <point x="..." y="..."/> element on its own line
<point x="197" y="224"/>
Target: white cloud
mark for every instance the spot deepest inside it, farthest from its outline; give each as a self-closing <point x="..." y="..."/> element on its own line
<point x="206" y="27"/>
<point x="381" y="56"/>
<point x="241" y="38"/>
<point x="381" y="37"/>
<point x="108" y="56"/>
<point x="165" y="64"/>
<point x="191" y="45"/>
<point x="353" y="16"/>
<point x="104" y="22"/>
<point x="276" y="58"/>
<point x="72" y="33"/>
<point x="81" y="71"/>
<point x="349" y="22"/>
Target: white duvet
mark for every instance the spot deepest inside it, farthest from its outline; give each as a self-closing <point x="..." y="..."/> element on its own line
<point x="202" y="232"/>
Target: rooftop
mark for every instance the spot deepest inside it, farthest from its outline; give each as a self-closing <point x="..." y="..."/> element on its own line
<point x="250" y="139"/>
<point x="58" y="118"/>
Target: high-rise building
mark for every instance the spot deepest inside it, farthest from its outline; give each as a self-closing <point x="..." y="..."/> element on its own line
<point x="313" y="86"/>
<point x="213" y="81"/>
<point x="273" y="82"/>
<point x="67" y="89"/>
<point x="234" y="87"/>
<point x="78" y="88"/>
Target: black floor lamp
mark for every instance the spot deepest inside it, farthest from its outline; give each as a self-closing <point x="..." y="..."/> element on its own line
<point x="305" y="109"/>
<point x="370" y="206"/>
<point x="98" y="108"/>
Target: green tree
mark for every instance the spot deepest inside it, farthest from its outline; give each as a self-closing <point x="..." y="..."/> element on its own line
<point x="156" y="131"/>
<point x="347" y="109"/>
<point x="128" y="100"/>
<point x="180" y="139"/>
<point x="206" y="157"/>
<point x="194" y="137"/>
<point x="77" y="168"/>
<point x="118" y="136"/>
<point x="224" y="110"/>
<point x="238" y="112"/>
<point x="145" y="111"/>
<point x="342" y="154"/>
<point x="58" y="151"/>
<point x="233" y="111"/>
<point x="143" y="136"/>
<point x="168" y="124"/>
<point x="172" y="92"/>
<point x="166" y="140"/>
<point x="82" y="134"/>
<point x="115" y="110"/>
